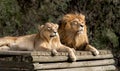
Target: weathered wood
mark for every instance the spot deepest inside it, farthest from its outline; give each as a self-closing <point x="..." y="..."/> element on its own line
<point x="74" y="64"/>
<point x="89" y="57"/>
<point x="40" y="56"/>
<point x="65" y="58"/>
<point x="43" y="53"/>
<point x="78" y="53"/>
<point x="97" y="68"/>
<point x="85" y="61"/>
<point x="15" y="52"/>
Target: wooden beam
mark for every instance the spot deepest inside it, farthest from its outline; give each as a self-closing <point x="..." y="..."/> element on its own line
<point x="15" y="52"/>
<point x="97" y="68"/>
<point x="89" y="57"/>
<point x="65" y="58"/>
<point x="40" y="56"/>
<point x="79" y="64"/>
<point x="43" y="53"/>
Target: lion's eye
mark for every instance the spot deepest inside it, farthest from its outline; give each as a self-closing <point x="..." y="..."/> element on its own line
<point x="48" y="28"/>
<point x="74" y="23"/>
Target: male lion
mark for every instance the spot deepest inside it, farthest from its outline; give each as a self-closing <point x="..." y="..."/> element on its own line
<point x="46" y="40"/>
<point x="73" y="32"/>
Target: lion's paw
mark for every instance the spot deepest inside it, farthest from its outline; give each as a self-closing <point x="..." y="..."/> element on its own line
<point x="73" y="58"/>
<point x="96" y="52"/>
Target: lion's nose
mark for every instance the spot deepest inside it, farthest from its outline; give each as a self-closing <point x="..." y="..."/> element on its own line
<point x="81" y="25"/>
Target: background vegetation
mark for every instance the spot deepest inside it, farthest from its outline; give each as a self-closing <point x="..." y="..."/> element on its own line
<point x="20" y="17"/>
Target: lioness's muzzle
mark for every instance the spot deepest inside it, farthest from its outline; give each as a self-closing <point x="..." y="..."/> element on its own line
<point x="53" y="34"/>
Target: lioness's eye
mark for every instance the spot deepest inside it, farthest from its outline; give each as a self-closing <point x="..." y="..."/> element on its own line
<point x="56" y="27"/>
<point x="82" y="22"/>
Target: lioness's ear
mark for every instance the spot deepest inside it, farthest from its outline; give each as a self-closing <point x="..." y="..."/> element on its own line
<point x="82" y="16"/>
<point x="57" y="25"/>
<point x="40" y="27"/>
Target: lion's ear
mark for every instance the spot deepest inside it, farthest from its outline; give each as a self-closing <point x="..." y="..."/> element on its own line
<point x="82" y="16"/>
<point x="40" y="27"/>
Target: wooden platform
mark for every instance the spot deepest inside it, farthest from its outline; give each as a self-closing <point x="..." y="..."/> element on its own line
<point x="43" y="61"/>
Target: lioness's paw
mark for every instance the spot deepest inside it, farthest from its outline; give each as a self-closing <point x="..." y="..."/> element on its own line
<point x="96" y="52"/>
<point x="73" y="58"/>
<point x="73" y="50"/>
<point x="54" y="52"/>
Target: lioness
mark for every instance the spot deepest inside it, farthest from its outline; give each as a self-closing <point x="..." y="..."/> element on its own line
<point x="46" y="40"/>
<point x="73" y="32"/>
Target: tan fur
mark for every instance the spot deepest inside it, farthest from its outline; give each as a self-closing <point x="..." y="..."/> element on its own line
<point x="53" y="43"/>
<point x="73" y="32"/>
<point x="18" y="43"/>
<point x="46" y="40"/>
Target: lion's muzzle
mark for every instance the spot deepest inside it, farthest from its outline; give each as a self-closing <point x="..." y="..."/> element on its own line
<point x="81" y="29"/>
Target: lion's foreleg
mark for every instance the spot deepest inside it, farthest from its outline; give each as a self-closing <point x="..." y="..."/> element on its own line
<point x="92" y="49"/>
<point x="69" y="50"/>
<point x="54" y="52"/>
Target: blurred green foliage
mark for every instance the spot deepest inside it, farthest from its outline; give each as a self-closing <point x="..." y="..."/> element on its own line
<point x="9" y="17"/>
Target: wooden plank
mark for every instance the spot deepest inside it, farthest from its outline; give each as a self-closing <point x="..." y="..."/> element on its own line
<point x="65" y="58"/>
<point x="44" y="53"/>
<point x="49" y="58"/>
<point x="15" y="52"/>
<point x="78" y="53"/>
<point x="97" y="68"/>
<point x="40" y="56"/>
<point x="89" y="57"/>
<point x="73" y="64"/>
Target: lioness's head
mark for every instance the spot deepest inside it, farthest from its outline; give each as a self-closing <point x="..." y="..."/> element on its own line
<point x="73" y="23"/>
<point x="49" y="30"/>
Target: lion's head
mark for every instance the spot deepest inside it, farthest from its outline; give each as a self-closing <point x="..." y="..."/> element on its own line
<point x="72" y="30"/>
<point x="74" y="23"/>
<point x="49" y="30"/>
